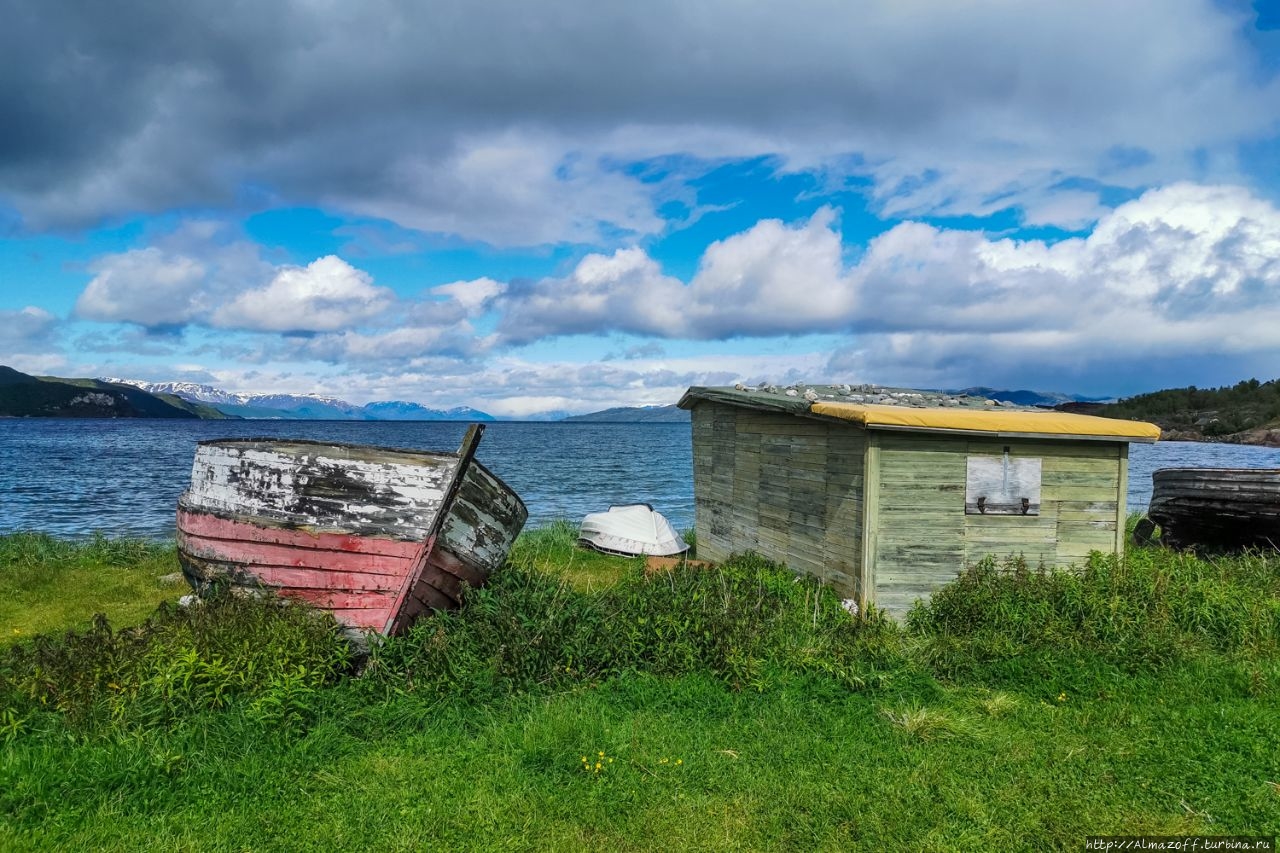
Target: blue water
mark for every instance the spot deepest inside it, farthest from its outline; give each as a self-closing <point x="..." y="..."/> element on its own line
<point x="73" y="477"/>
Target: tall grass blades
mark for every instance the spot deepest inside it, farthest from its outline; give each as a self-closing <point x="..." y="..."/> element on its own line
<point x="1147" y="609"/>
<point x="523" y="630"/>
<point x="747" y="623"/>
<point x="181" y="662"/>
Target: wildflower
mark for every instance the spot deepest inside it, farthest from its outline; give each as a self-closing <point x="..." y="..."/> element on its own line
<point x="601" y="754"/>
<point x="1062" y="697"/>
<point x="679" y="761"/>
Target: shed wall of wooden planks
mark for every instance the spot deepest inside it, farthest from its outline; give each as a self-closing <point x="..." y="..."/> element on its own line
<point x="924" y="537"/>
<point x="793" y="490"/>
<point x="788" y="488"/>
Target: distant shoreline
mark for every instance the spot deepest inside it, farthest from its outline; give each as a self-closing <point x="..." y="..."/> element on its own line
<point x="1265" y="437"/>
<point x="1252" y="438"/>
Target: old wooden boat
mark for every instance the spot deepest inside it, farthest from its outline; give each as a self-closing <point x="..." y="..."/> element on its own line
<point x="1217" y="507"/>
<point x="376" y="536"/>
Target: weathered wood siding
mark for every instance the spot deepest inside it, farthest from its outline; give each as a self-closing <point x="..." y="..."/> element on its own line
<point x="785" y="487"/>
<point x="484" y="520"/>
<point x="922" y="535"/>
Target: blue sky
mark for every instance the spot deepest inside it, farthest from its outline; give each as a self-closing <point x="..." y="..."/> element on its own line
<point x="569" y="205"/>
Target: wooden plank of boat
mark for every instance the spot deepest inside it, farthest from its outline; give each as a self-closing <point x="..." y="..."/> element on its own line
<point x="375" y="535"/>
<point x="1217" y="507"/>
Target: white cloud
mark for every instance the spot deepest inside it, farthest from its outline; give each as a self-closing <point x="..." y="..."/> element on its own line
<point x="770" y="280"/>
<point x="1186" y="268"/>
<point x="1181" y="276"/>
<point x="179" y="279"/>
<point x="325" y="296"/>
<point x="148" y="286"/>
<point x="1175" y="253"/>
<point x="472" y="296"/>
<point x="626" y="291"/>
<point x="202" y="276"/>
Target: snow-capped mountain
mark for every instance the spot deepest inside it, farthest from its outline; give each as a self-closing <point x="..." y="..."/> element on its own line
<point x="186" y="390"/>
<point x="303" y="406"/>
<point x="307" y="406"/>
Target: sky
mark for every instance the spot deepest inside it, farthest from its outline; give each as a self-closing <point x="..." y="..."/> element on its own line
<point x="567" y="205"/>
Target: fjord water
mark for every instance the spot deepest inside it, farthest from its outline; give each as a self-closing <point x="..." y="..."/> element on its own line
<point x="74" y="477"/>
<point x="123" y="477"/>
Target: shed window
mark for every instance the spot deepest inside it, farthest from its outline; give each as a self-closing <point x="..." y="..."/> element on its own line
<point x="1002" y="485"/>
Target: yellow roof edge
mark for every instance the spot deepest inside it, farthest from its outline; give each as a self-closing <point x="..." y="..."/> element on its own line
<point x="1048" y="424"/>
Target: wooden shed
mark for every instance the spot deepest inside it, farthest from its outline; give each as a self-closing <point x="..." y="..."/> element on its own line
<point x="885" y="494"/>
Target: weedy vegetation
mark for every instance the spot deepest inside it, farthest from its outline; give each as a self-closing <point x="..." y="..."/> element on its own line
<point x="269" y="656"/>
<point x="580" y="701"/>
<point x="1141" y="612"/>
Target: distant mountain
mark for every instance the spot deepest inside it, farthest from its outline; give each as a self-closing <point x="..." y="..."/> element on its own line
<point x="186" y="390"/>
<point x="284" y="406"/>
<point x="303" y="406"/>
<point x="553" y="415"/>
<point x="310" y="407"/>
<point x="635" y="415"/>
<point x="397" y="410"/>
<point x="25" y="396"/>
<point x="1029" y="398"/>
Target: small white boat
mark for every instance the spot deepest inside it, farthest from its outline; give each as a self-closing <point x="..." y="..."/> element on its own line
<point x="631" y="530"/>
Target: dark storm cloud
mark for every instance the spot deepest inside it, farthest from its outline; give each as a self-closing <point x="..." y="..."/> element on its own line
<point x="500" y="120"/>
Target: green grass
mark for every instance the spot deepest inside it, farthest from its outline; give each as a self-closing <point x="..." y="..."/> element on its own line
<point x="553" y="549"/>
<point x="736" y="708"/>
<point x="781" y="770"/>
<point x="50" y="585"/>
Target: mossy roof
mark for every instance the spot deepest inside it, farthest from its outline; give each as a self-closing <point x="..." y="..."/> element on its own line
<point x="874" y="407"/>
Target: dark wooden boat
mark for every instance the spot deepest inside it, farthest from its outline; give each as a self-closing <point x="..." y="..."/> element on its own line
<point x="1219" y="508"/>
<point x="376" y="536"/>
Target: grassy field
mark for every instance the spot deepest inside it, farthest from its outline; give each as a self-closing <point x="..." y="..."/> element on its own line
<point x="51" y="585"/>
<point x="576" y="703"/>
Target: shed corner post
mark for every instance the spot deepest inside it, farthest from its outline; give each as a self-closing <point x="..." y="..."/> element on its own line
<point x="870" y="520"/>
<point x="1122" y="498"/>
